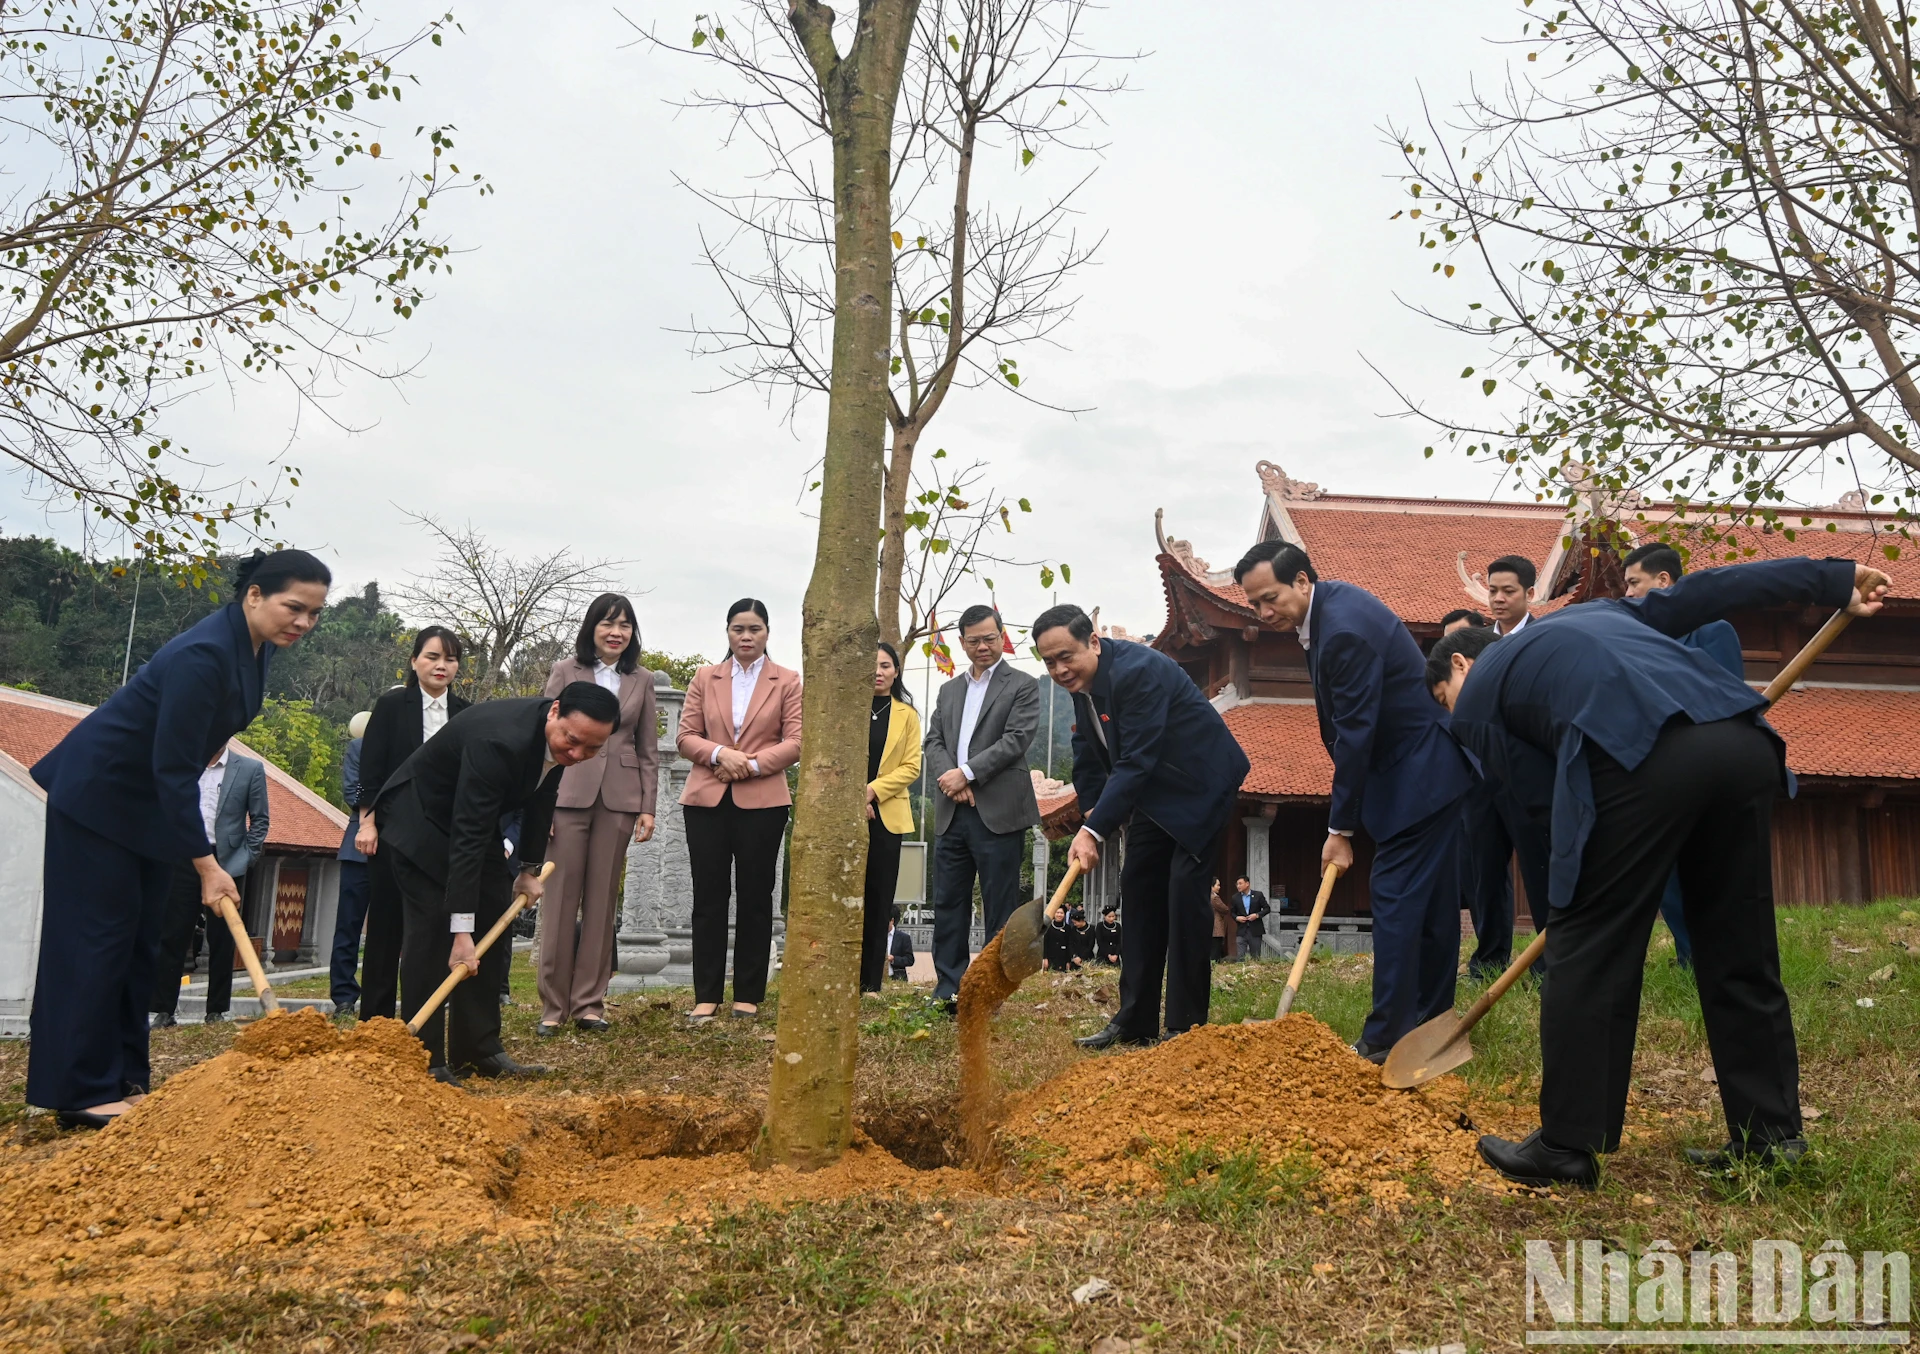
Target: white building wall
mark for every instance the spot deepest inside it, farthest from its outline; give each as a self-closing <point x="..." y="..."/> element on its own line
<point x="23" y="827"/>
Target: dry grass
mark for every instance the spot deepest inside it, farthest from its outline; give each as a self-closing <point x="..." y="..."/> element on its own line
<point x="988" y="1274"/>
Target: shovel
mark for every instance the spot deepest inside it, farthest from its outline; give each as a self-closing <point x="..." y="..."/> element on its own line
<point x="1307" y="938"/>
<point x="1023" y="938"/>
<point x="460" y="975"/>
<point x="1441" y="1044"/>
<point x="269" y="1004"/>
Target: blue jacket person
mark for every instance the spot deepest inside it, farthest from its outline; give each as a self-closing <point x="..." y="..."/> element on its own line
<point x="1150" y="754"/>
<point x="123" y="807"/>
<point x="1643" y="753"/>
<point x="1396" y="774"/>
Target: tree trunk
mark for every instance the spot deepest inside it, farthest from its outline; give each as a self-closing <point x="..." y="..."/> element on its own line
<point x="893" y="544"/>
<point x="810" y="1104"/>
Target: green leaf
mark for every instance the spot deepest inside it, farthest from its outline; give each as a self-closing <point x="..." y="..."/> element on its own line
<point x="1025" y="506"/>
<point x="1486" y="386"/>
<point x="1066" y="572"/>
<point x="1046" y="576"/>
<point x="1026" y="156"/>
<point x="1465" y="374"/>
<point x="953" y="42"/>
<point x="699" y="38"/>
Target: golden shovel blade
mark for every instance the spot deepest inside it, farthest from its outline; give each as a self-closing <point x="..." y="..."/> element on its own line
<point x="1431" y="1050"/>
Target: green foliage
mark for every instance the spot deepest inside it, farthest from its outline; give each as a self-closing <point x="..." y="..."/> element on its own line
<point x="679" y="670"/>
<point x="291" y="736"/>
<point x="1202" y="1182"/>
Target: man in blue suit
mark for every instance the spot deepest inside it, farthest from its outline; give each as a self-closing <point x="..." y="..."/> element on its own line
<point x="1644" y="754"/>
<point x="1396" y="773"/>
<point x="1152" y="755"/>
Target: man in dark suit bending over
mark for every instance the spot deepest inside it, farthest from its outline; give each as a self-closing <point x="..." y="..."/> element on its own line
<point x="440" y="816"/>
<point x="1396" y="774"/>
<point x="1643" y="755"/>
<point x="1150" y="754"/>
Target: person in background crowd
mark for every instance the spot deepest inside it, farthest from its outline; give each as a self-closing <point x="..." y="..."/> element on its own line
<point x="401" y="722"/>
<point x="1281" y="903"/>
<point x="1250" y="909"/>
<point x="1460" y="618"/>
<point x="1647" y="568"/>
<point x="893" y="764"/>
<point x="1396" y="774"/>
<point x="1510" y="582"/>
<point x="606" y="803"/>
<point x="1106" y="938"/>
<point x="233" y="805"/>
<point x="123" y="807"/>
<point x="982" y="725"/>
<point x="741" y="730"/>
<point x="1056" y="949"/>
<point x="440" y="819"/>
<point x="1079" y="939"/>
<point x="350" y="915"/>
<point x="1222" y="926"/>
<point x="1152" y="754"/>
<point x="899" y="946"/>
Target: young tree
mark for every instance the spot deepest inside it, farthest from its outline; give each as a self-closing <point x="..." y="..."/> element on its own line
<point x="182" y="210"/>
<point x="516" y="614"/>
<point x="954" y="525"/>
<point x="1701" y="230"/>
<point x="974" y="285"/>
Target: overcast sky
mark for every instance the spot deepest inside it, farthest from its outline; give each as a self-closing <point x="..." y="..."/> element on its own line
<point x="1249" y="265"/>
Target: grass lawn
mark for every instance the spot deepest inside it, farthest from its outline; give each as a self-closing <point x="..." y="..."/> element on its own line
<point x="1217" y="1264"/>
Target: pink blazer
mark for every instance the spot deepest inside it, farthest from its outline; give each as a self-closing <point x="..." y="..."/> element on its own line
<point x="771" y="735"/>
<point x="623" y="776"/>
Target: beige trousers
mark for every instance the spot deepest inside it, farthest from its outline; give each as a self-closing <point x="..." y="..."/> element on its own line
<point x="577" y="919"/>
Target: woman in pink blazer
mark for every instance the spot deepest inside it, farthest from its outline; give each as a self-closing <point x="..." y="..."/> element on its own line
<point x="741" y="731"/>
<point x="605" y="802"/>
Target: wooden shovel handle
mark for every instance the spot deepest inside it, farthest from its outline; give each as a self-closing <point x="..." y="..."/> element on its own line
<point x="460" y="975"/>
<point x="1801" y="661"/>
<point x="1522" y="962"/>
<point x="1307" y="938"/>
<point x="1060" y="894"/>
<point x="244" y="944"/>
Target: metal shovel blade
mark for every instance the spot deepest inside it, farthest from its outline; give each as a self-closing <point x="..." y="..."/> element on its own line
<point x="1429" y="1051"/>
<point x="1023" y="939"/>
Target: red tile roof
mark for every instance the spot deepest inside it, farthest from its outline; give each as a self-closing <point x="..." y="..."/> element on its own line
<point x="1282" y="741"/>
<point x="301" y="821"/>
<point x="1840" y="731"/>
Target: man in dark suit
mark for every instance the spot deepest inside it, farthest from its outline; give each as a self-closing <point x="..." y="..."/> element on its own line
<point x="1645" y="755"/>
<point x="1647" y="568"/>
<point x="976" y="751"/>
<point x="1150" y="754"/>
<point x="440" y="817"/>
<point x="1396" y="774"/>
<point x="350" y="913"/>
<point x="1250" y="911"/>
<point x="233" y="804"/>
<point x="899" y="947"/>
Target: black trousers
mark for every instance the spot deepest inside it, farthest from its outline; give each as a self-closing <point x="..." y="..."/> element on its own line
<point x="1703" y="799"/>
<point x="466" y="1028"/>
<point x="883" y="877"/>
<point x="386" y="925"/>
<point x="1486" y="880"/>
<point x="176" y="935"/>
<point x="1169" y="928"/>
<point x="734" y="853"/>
<point x="100" y="916"/>
<point x="969" y="848"/>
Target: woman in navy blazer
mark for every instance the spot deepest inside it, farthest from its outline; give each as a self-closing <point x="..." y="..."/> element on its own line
<point x="123" y="807"/>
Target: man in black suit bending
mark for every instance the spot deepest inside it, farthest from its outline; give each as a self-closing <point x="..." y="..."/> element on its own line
<point x="440" y="818"/>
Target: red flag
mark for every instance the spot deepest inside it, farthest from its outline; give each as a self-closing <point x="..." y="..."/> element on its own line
<point x="936" y="649"/>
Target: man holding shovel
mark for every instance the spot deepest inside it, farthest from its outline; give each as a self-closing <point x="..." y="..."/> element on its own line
<point x="1644" y="755"/>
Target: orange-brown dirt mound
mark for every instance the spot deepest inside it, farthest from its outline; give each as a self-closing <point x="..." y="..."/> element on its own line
<point x="983" y="988"/>
<point x="1283" y="1088"/>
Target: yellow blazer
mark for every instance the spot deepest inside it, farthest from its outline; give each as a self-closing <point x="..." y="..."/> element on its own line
<point x="899" y="769"/>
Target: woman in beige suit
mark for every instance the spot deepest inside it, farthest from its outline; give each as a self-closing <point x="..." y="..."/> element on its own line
<point x="605" y="802"/>
<point x="741" y="730"/>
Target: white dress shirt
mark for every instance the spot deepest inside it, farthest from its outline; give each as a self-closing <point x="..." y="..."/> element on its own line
<point x="211" y="780"/>
<point x="970" y="712"/>
<point x="433" y="714"/>
<point x="606" y="675"/>
<point x="744" y="680"/>
<point x="1525" y="616"/>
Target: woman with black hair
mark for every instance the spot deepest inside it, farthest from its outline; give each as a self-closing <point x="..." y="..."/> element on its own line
<point x="123" y="807"/>
<point x="402" y="720"/>
<point x="605" y="803"/>
<point x="893" y="764"/>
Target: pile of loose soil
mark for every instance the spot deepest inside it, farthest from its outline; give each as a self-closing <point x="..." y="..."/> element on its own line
<point x="1287" y="1088"/>
<point x="983" y="988"/>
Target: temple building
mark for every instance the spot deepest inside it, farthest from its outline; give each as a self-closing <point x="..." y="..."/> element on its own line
<point x="1852" y="724"/>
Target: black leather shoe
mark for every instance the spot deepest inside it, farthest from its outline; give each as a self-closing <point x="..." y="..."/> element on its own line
<point x="215" y="1017"/>
<point x="1535" y="1161"/>
<point x="346" y="1010"/>
<point x="546" y="1031"/>
<point x="445" y="1076"/>
<point x="1376" y="1056"/>
<point x="601" y="1026"/>
<point x="503" y="1065"/>
<point x="1114" y="1034"/>
<point x="84" y="1119"/>
<point x="1786" y="1152"/>
<point x="162" y="1020"/>
<point x="947" y="1006"/>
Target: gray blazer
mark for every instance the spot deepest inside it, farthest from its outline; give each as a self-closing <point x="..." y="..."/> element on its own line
<point x="240" y="823"/>
<point x="1002" y="789"/>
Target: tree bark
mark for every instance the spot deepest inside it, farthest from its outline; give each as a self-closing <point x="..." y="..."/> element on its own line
<point x="810" y="1104"/>
<point x="893" y="544"/>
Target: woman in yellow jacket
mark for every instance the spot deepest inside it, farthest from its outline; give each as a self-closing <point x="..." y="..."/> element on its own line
<point x="893" y="764"/>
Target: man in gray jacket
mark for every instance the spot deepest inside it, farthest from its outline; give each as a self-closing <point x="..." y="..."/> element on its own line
<point x="233" y="806"/>
<point x="983" y="723"/>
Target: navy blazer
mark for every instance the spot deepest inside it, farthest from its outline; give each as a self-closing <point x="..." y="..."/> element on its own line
<point x="1166" y="751"/>
<point x="1614" y="673"/>
<point x="1719" y="641"/>
<point x="130" y="770"/>
<point x="1393" y="763"/>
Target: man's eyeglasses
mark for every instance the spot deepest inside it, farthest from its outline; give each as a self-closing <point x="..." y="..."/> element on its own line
<point x="980" y="641"/>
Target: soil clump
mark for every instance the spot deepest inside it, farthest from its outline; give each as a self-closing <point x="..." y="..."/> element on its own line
<point x="983" y="987"/>
<point x="1288" y="1090"/>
